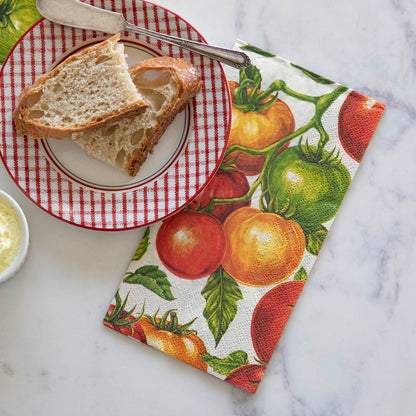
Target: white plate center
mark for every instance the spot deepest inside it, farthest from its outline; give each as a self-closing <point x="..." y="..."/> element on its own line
<point x="79" y="166"/>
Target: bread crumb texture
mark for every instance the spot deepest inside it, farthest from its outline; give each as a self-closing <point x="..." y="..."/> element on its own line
<point x="94" y="83"/>
<point x="118" y="144"/>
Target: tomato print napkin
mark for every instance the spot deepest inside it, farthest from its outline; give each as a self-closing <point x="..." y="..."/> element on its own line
<point x="215" y="284"/>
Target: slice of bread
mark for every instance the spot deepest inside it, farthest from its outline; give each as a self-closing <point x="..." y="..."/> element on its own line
<point x="167" y="85"/>
<point x="88" y="89"/>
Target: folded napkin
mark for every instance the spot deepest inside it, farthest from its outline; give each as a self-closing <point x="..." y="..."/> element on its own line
<point x="214" y="285"/>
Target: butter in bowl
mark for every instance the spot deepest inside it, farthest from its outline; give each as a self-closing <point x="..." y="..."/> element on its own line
<point x="14" y="237"/>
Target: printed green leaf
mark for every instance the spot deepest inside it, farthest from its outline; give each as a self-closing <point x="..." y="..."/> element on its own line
<point x="301" y="275"/>
<point x="315" y="236"/>
<point x="144" y="243"/>
<point x="221" y="294"/>
<point x="225" y="366"/>
<point x="250" y="76"/>
<point x="152" y="279"/>
<point x="317" y="78"/>
<point x="258" y="51"/>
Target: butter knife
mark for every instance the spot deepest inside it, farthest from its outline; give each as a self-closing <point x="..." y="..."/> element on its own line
<point x="84" y="16"/>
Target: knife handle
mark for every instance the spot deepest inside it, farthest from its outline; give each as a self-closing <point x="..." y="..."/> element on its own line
<point x="230" y="57"/>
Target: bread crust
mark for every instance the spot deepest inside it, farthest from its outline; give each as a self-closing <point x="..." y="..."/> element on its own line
<point x="189" y="83"/>
<point x="37" y="130"/>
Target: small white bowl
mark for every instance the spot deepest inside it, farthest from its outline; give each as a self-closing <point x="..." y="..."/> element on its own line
<point x="24" y="247"/>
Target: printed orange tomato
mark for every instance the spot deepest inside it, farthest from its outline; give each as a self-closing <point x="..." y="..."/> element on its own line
<point x="225" y="184"/>
<point x="271" y="315"/>
<point x="262" y="249"/>
<point x="358" y="119"/>
<point x="247" y="377"/>
<point x="258" y="129"/>
<point x="191" y="244"/>
<point x="174" y="339"/>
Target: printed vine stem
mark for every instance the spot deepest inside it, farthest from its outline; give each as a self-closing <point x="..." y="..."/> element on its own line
<point x="322" y="103"/>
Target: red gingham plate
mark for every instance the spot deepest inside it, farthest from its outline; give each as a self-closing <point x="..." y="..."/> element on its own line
<point x="61" y="179"/>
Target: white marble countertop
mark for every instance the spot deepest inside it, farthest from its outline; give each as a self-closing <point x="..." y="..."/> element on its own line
<point x="349" y="348"/>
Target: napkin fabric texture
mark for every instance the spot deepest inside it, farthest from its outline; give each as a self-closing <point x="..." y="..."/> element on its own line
<point x="215" y="284"/>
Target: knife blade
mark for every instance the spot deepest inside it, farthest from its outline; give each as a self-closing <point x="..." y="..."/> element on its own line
<point x="84" y="16"/>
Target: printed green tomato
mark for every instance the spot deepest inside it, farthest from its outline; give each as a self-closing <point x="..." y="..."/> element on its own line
<point x="16" y="17"/>
<point x="271" y="315"/>
<point x="358" y="119"/>
<point x="191" y="244"/>
<point x="306" y="191"/>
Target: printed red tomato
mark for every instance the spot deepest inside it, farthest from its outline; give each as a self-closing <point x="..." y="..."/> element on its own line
<point x="225" y="184"/>
<point x="270" y="317"/>
<point x="262" y="249"/>
<point x="247" y="377"/>
<point x="305" y="187"/>
<point x="175" y="340"/>
<point x="258" y="129"/>
<point x="358" y="119"/>
<point x="191" y="244"/>
<point x="123" y="324"/>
